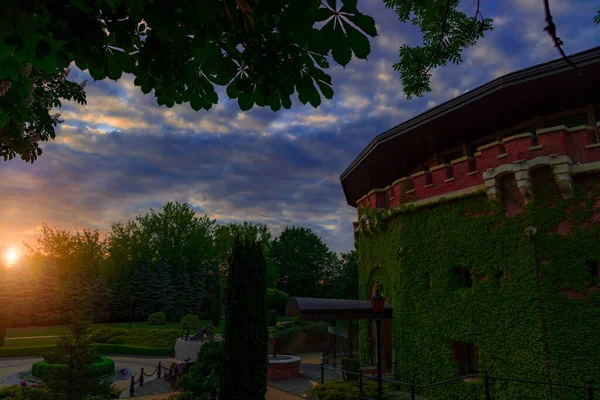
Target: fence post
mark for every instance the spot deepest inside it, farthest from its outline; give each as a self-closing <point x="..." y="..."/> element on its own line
<point x="590" y="389"/>
<point x="412" y="389"/>
<point x="486" y="383"/>
<point x="159" y="369"/>
<point x="322" y="373"/>
<point x="142" y="378"/>
<point x="360" y="381"/>
<point x="131" y="387"/>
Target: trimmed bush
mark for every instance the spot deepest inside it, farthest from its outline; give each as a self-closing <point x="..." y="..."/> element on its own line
<point x="24" y="351"/>
<point x="277" y="300"/>
<point x="117" y="349"/>
<point x="157" y="318"/>
<point x="137" y="337"/>
<point x="104" y="366"/>
<point x="341" y="390"/>
<point x="191" y="322"/>
<point x="100" y="348"/>
<point x="272" y="318"/>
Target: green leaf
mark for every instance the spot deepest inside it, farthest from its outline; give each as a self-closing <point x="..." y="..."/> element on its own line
<point x="364" y="22"/>
<point x="4" y="118"/>
<point x="259" y="98"/>
<point x="326" y="89"/>
<point x="358" y="41"/>
<point x="246" y="100"/>
<point x="349" y="6"/>
<point x="286" y="102"/>
<point x="275" y="101"/>
<point x="232" y="89"/>
<point x="196" y="102"/>
<point x="112" y="68"/>
<point x="125" y="61"/>
<point x="322" y="14"/>
<point x="341" y="50"/>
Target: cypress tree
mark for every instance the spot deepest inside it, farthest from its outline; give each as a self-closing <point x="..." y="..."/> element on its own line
<point x="215" y="305"/>
<point x="246" y="333"/>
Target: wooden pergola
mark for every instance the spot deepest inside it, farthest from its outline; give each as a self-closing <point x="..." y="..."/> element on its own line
<point x="332" y="310"/>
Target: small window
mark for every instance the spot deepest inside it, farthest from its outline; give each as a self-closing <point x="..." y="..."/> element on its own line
<point x="453" y="156"/>
<point x="463" y="277"/>
<point x="466" y="357"/>
<point x="593" y="270"/>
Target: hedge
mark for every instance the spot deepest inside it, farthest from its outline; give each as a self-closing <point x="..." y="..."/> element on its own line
<point x="104" y="366"/>
<point x="101" y="348"/>
<point x="138" y="337"/>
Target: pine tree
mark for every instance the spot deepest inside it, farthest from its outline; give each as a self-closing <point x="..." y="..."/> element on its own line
<point x="100" y="300"/>
<point x="160" y="287"/>
<point x="77" y="299"/>
<point x="75" y="382"/>
<point x="120" y="296"/>
<point x="48" y="297"/>
<point x="141" y="291"/>
<point x="246" y="332"/>
<point x="182" y="295"/>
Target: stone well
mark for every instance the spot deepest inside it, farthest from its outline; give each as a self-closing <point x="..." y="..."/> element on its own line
<point x="283" y="367"/>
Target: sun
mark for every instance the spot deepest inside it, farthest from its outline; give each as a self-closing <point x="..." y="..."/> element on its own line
<point x="11" y="256"/>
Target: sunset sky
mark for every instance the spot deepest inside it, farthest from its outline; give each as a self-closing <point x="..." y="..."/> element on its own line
<point x="122" y="154"/>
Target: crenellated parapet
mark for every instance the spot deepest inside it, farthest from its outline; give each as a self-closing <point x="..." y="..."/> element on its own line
<point x="558" y="147"/>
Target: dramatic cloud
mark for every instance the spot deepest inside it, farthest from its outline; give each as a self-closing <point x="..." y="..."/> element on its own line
<point x="122" y="154"/>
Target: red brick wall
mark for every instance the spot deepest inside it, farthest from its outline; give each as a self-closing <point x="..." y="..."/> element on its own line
<point x="433" y="183"/>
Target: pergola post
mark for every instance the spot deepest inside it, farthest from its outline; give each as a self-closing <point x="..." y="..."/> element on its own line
<point x="350" y="337"/>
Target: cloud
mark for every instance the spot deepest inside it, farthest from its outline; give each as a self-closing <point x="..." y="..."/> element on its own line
<point x="122" y="154"/>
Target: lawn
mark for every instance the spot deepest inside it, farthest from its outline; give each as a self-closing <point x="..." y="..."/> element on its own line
<point x="30" y="342"/>
<point x="57" y="330"/>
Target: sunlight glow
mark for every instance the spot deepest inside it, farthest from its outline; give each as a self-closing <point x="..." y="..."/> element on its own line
<point x="11" y="256"/>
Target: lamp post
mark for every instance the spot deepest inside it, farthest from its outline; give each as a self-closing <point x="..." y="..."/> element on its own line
<point x="378" y="303"/>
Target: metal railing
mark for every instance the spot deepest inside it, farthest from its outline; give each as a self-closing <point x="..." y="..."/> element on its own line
<point x="140" y="380"/>
<point x="487" y="379"/>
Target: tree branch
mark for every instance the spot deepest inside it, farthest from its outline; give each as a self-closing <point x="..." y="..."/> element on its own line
<point x="551" y="29"/>
<point x="442" y="34"/>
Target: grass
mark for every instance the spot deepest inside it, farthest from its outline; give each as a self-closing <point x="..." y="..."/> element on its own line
<point x="30" y="342"/>
<point x="58" y="330"/>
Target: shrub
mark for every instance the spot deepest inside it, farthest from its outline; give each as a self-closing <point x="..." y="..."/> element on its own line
<point x="191" y="322"/>
<point x="137" y="337"/>
<point x="351" y="365"/>
<point x="24" y="351"/>
<point x="277" y="300"/>
<point x="203" y="378"/>
<point x="29" y="392"/>
<point x="272" y="318"/>
<point x="286" y="336"/>
<point x="103" y="348"/>
<point x="157" y="318"/>
<point x="341" y="390"/>
<point x="104" y="366"/>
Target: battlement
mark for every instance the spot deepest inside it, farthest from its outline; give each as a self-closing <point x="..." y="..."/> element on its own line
<point x="580" y="144"/>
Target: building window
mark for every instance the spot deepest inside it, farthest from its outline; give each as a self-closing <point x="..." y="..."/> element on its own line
<point x="465" y="356"/>
<point x="568" y="120"/>
<point x="463" y="277"/>
<point x="593" y="270"/>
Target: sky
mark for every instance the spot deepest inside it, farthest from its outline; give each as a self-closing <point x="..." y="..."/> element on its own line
<point x="122" y="154"/>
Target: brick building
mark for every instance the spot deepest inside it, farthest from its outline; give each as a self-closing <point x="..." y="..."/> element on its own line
<point x="480" y="222"/>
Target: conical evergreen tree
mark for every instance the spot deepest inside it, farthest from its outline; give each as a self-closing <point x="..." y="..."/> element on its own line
<point x="77" y="299"/>
<point x="160" y="287"/>
<point x="120" y="296"/>
<point x="246" y="332"/>
<point x="100" y="300"/>
<point x="141" y="292"/>
<point x="182" y="294"/>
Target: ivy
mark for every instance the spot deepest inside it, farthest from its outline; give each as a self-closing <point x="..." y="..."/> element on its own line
<point x="500" y="312"/>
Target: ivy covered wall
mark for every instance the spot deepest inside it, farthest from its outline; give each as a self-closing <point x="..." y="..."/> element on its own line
<point x="500" y="312"/>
